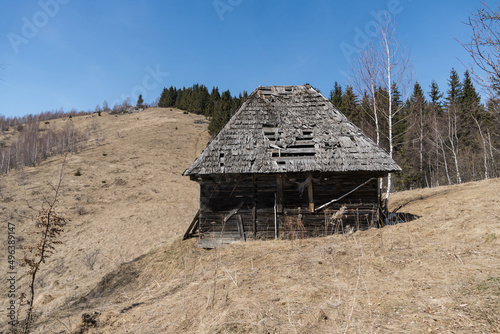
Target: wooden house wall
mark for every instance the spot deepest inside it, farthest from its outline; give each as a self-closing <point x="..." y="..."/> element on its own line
<point x="236" y="207"/>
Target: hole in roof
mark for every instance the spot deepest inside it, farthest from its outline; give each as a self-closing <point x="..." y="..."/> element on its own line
<point x="271" y="132"/>
<point x="302" y="146"/>
<point x="284" y="154"/>
<point x="307" y="133"/>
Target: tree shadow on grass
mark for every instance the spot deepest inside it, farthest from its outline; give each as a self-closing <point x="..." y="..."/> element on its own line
<point x="394" y="218"/>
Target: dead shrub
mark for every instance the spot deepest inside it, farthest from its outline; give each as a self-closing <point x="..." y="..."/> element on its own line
<point x="90" y="258"/>
<point x="293" y="228"/>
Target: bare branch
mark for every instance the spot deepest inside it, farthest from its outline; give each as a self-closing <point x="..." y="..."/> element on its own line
<point x="484" y="47"/>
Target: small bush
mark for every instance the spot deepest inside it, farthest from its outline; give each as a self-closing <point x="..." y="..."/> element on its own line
<point x="91" y="258"/>
<point x="89" y="321"/>
<point x="78" y="173"/>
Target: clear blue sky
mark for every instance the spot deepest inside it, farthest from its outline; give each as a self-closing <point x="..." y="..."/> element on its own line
<point x="76" y="54"/>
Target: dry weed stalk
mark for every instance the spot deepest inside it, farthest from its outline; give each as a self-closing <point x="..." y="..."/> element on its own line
<point x="233" y="277"/>
<point x="358" y="279"/>
<point x="336" y="220"/>
<point x="329" y="251"/>
<point x="294" y="228"/>
<point x="185" y="280"/>
<point x="217" y="253"/>
<point x="288" y="309"/>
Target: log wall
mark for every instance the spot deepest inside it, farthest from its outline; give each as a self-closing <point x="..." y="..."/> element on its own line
<point x="237" y="207"/>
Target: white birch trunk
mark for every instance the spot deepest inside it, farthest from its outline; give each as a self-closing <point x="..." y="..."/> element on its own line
<point x="485" y="150"/>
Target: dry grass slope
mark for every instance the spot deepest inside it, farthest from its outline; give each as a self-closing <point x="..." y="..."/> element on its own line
<point x="437" y="274"/>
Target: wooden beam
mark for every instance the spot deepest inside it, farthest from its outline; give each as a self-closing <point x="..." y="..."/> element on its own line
<point x="241" y="229"/>
<point x="275" y="216"/>
<point x="254" y="220"/>
<point x="346" y="194"/>
<point x="279" y="192"/>
<point x="192" y="227"/>
<point x="310" y="192"/>
<point x="232" y="213"/>
<point x="254" y="208"/>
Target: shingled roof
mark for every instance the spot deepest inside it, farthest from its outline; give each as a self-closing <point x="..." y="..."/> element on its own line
<point x="290" y="129"/>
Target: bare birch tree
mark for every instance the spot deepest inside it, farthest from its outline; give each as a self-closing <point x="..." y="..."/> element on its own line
<point x="394" y="71"/>
<point x="484" y="47"/>
<point x="365" y="79"/>
<point x="453" y="141"/>
<point x="383" y="63"/>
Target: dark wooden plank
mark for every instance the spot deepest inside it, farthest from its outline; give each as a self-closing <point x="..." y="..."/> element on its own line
<point x="241" y="229"/>
<point x="192" y="227"/>
<point x="279" y="190"/>
<point x="254" y="207"/>
<point x="310" y="192"/>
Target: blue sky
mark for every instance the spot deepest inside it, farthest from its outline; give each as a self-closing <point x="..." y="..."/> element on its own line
<point x="76" y="54"/>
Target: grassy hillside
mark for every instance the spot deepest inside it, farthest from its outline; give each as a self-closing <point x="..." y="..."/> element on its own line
<point x="130" y="206"/>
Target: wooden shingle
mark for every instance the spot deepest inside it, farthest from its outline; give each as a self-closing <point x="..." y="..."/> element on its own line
<point x="288" y="129"/>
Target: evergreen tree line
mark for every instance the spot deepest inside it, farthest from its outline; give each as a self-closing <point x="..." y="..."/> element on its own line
<point x="439" y="138"/>
<point x="218" y="108"/>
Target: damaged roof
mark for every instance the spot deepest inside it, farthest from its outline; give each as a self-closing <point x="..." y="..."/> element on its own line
<point x="283" y="129"/>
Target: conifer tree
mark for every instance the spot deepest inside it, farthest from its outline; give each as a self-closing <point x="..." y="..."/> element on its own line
<point x="438" y="155"/>
<point x="140" y="102"/>
<point x="204" y="99"/>
<point x="435" y="97"/>
<point x="400" y="119"/>
<point x="455" y="88"/>
<point x="366" y="122"/>
<point x="419" y="116"/>
<point x="168" y="97"/>
<point x="212" y="102"/>
<point x="221" y="114"/>
<point x="336" y="96"/>
<point x="469" y="99"/>
<point x="349" y="105"/>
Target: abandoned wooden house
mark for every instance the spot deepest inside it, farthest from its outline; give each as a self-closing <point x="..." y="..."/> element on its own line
<point x="288" y="164"/>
